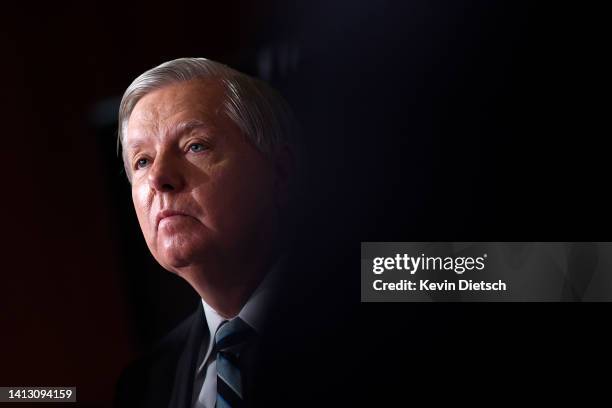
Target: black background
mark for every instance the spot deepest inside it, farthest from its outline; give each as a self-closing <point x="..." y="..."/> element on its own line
<point x="441" y="121"/>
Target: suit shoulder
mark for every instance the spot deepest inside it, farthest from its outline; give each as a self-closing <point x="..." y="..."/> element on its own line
<point x="150" y="376"/>
<point x="177" y="336"/>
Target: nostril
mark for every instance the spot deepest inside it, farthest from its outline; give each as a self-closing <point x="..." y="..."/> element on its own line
<point x="167" y="187"/>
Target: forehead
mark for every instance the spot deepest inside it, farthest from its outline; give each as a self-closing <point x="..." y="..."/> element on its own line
<point x="196" y="99"/>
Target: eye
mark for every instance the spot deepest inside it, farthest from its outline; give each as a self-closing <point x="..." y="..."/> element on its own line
<point x="197" y="147"/>
<point x="142" y="162"/>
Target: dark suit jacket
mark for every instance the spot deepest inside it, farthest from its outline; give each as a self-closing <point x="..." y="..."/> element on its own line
<point x="294" y="363"/>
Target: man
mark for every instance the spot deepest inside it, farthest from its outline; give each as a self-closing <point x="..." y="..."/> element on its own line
<point x="209" y="155"/>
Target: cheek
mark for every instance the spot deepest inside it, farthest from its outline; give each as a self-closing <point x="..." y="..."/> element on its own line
<point x="232" y="199"/>
<point x="142" y="206"/>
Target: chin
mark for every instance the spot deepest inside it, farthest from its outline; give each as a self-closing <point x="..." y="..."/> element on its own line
<point x="173" y="260"/>
<point x="174" y="257"/>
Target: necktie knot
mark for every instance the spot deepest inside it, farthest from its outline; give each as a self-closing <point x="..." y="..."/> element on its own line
<point x="233" y="333"/>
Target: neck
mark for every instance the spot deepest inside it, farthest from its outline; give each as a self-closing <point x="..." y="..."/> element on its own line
<point x="227" y="283"/>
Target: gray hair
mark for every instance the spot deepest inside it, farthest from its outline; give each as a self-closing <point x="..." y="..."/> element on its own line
<point x="258" y="110"/>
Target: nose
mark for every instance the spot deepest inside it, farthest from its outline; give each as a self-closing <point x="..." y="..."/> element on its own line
<point x="166" y="174"/>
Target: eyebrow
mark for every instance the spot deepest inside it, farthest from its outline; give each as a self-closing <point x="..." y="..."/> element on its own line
<point x="181" y="128"/>
<point x="185" y="127"/>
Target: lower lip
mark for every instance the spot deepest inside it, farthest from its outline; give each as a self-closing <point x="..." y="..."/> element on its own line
<point x="172" y="218"/>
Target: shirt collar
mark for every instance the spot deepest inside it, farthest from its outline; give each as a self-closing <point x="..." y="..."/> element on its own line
<point x="213" y="319"/>
<point x="254" y="310"/>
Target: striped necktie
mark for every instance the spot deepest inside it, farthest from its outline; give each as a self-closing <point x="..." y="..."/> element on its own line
<point x="230" y="339"/>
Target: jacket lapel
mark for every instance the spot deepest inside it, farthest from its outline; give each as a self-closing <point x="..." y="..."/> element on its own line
<point x="182" y="391"/>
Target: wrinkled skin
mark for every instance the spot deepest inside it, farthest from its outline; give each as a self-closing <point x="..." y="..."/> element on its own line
<point x="220" y="194"/>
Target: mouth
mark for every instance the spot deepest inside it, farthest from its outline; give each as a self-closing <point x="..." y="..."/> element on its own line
<point x="168" y="214"/>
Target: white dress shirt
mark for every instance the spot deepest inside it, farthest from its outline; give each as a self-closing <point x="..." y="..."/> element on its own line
<point x="253" y="313"/>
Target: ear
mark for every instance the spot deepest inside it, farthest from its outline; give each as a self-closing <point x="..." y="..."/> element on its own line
<point x="284" y="172"/>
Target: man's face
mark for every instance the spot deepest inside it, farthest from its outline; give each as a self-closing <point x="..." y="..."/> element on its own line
<point x="201" y="191"/>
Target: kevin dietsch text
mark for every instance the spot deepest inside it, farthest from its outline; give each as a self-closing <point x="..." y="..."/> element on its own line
<point x="414" y="264"/>
<point x="429" y="286"/>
